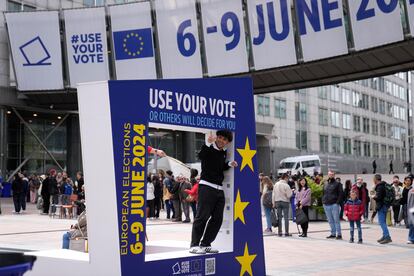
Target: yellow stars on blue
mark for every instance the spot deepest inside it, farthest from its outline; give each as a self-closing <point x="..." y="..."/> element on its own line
<point x="246" y="261"/>
<point x="239" y="207"/>
<point x="135" y="40"/>
<point x="247" y="155"/>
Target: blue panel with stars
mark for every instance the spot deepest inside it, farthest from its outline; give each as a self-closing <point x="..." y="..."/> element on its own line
<point x="132" y="44"/>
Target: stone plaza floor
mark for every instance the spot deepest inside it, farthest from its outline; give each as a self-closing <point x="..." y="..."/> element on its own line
<point x="314" y="255"/>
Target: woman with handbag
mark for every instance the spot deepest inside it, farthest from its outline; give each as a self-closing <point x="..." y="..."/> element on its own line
<point x="303" y="202"/>
<point x="267" y="201"/>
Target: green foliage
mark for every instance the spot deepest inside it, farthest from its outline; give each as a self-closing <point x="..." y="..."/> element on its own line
<point x="316" y="198"/>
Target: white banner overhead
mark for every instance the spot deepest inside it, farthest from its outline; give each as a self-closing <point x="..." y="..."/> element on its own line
<point x="410" y="12"/>
<point x="271" y="33"/>
<point x="35" y="46"/>
<point x="133" y="41"/>
<point x="178" y="39"/>
<point x="321" y="28"/>
<point x="375" y="23"/>
<point x="224" y="37"/>
<point x="86" y="45"/>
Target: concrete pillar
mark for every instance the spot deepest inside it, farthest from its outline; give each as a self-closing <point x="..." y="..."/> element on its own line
<point x="188" y="146"/>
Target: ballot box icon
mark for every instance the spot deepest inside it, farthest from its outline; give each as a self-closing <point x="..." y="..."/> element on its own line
<point x="35" y="52"/>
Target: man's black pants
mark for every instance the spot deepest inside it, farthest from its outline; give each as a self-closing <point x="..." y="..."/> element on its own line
<point x="210" y="205"/>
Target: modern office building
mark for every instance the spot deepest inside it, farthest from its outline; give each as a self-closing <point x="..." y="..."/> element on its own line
<point x="348" y="125"/>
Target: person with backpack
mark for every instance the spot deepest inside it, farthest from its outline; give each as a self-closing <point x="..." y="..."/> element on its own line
<point x="303" y="201"/>
<point x="267" y="201"/>
<point x="354" y="210"/>
<point x="384" y="197"/>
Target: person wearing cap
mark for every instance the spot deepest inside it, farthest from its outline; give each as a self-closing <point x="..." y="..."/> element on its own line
<point x="211" y="198"/>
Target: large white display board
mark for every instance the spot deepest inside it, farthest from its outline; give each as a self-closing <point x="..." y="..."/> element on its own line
<point x="86" y="45"/>
<point x="35" y="46"/>
<point x="321" y="28"/>
<point x="375" y="23"/>
<point x="224" y="37"/>
<point x="132" y="41"/>
<point x="271" y="33"/>
<point x="178" y="39"/>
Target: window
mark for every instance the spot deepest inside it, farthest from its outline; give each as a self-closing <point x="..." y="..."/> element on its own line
<point x="375" y="150"/>
<point x="280" y="108"/>
<point x="346" y="121"/>
<point x="374" y="127"/>
<point x="365" y="125"/>
<point x="263" y="105"/>
<point x="335" y="93"/>
<point x="397" y="153"/>
<point x="374" y="83"/>
<point x="389" y="109"/>
<point x="383" y="151"/>
<point x="336" y="144"/>
<point x="396" y="131"/>
<point x="396" y="112"/>
<point x="323" y="92"/>
<point x="357" y="147"/>
<point x="390" y="131"/>
<point x="383" y="129"/>
<point x="347" y="146"/>
<point x="388" y="87"/>
<point x="310" y="164"/>
<point x="300" y="112"/>
<point x="301" y="140"/>
<point x="391" y="152"/>
<point x="335" y="121"/>
<point x="357" y="123"/>
<point x="367" y="149"/>
<point x="365" y="102"/>
<point x="13" y="6"/>
<point x="382" y="106"/>
<point x="301" y="91"/>
<point x="346" y="96"/>
<point x="323" y="143"/>
<point x="403" y="114"/>
<point x="356" y="99"/>
<point x="374" y="104"/>
<point x="323" y="116"/>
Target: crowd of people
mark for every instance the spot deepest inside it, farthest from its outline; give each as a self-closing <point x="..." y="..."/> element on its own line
<point x="47" y="191"/>
<point x="351" y="202"/>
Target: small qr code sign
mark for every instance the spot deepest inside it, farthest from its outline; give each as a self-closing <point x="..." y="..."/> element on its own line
<point x="210" y="266"/>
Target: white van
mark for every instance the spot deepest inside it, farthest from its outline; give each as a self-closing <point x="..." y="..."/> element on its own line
<point x="295" y="164"/>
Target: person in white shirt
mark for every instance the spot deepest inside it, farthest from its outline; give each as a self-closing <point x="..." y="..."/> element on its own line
<point x="150" y="198"/>
<point x="281" y="199"/>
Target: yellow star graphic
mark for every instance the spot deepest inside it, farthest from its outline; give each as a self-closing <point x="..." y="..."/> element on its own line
<point x="246" y="261"/>
<point x="247" y="156"/>
<point x="239" y="207"/>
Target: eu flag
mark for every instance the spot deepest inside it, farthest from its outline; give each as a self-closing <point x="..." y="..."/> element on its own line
<point x="133" y="44"/>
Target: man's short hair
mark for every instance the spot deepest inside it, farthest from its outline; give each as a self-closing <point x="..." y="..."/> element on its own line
<point x="396" y="176"/>
<point x="225" y="133"/>
<point x="170" y="173"/>
<point x="284" y="175"/>
<point x="378" y="177"/>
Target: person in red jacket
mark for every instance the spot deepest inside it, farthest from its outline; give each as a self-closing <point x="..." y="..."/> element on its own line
<point x="354" y="210"/>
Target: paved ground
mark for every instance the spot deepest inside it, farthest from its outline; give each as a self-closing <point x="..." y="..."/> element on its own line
<point x="284" y="256"/>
